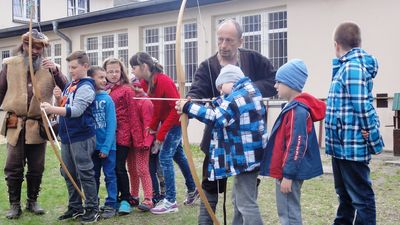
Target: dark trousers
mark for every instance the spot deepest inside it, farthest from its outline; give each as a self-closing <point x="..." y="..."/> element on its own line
<point x="17" y="157"/>
<point x="354" y="189"/>
<point x="122" y="174"/>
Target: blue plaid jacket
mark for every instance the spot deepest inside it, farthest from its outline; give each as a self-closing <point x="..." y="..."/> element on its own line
<point x="239" y="130"/>
<point x="350" y="108"/>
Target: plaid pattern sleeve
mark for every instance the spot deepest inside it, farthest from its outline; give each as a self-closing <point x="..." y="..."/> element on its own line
<point x="350" y="108"/>
<point x="239" y="130"/>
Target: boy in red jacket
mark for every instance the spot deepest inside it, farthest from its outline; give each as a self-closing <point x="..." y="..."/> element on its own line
<point x="292" y="153"/>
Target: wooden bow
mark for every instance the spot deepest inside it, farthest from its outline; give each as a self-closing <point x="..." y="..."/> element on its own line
<point x="184" y="117"/>
<point x="45" y="119"/>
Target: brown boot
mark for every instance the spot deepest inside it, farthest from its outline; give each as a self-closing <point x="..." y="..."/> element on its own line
<point x="14" y="195"/>
<point x="33" y="186"/>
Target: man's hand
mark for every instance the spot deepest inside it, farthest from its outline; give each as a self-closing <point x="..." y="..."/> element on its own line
<point x="286" y="185"/>
<point x="48" y="64"/>
<point x="180" y="104"/>
<point x="47" y="107"/>
<point x="57" y="92"/>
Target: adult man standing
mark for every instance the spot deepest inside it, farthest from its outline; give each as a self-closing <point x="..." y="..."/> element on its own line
<point x="17" y="97"/>
<point x="254" y="65"/>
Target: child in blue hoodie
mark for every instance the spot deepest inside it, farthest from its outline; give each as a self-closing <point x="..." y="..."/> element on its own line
<point x="105" y="155"/>
<point x="292" y="153"/>
<point x="78" y="138"/>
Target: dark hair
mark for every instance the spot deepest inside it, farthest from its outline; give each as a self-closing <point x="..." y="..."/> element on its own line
<point x="141" y="58"/>
<point x="81" y="56"/>
<point x="238" y="28"/>
<point x="124" y="75"/>
<point x="348" y="35"/>
<point x="93" y="70"/>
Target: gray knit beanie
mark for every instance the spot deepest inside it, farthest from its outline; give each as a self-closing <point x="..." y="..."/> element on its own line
<point x="229" y="73"/>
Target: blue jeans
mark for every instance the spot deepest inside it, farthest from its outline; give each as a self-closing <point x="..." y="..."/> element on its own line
<point x="108" y="165"/>
<point x="288" y="205"/>
<point x="354" y="189"/>
<point x="171" y="150"/>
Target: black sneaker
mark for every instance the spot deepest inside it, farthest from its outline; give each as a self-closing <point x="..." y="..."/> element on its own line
<point x="91" y="215"/>
<point x="72" y="213"/>
<point x="108" y="212"/>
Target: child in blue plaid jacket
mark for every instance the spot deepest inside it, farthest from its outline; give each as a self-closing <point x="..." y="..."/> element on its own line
<point x="352" y="127"/>
<point x="239" y="136"/>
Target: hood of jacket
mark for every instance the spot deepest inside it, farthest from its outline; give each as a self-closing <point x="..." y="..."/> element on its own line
<point x="316" y="107"/>
<point x="368" y="62"/>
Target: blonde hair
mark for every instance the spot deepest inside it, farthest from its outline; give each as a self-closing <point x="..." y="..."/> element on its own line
<point x="124" y="75"/>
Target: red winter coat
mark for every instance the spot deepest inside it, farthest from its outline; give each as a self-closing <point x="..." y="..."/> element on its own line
<point x="127" y="116"/>
<point x="145" y="114"/>
<point x="164" y="111"/>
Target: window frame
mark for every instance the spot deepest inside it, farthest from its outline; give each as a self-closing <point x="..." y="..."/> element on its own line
<point x="52" y="56"/>
<point x="162" y="43"/>
<point x="116" y="48"/>
<point x="1" y="55"/>
<point x="25" y="19"/>
<point x="264" y="30"/>
<point x="76" y="8"/>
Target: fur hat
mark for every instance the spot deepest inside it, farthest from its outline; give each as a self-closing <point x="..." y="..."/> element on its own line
<point x="38" y="38"/>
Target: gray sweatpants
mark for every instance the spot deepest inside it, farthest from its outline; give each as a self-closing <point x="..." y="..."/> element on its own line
<point x="288" y="205"/>
<point x="78" y="160"/>
<point x="244" y="199"/>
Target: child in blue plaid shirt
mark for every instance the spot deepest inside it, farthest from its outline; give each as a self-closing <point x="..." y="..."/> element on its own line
<point x="239" y="136"/>
<point x="352" y="127"/>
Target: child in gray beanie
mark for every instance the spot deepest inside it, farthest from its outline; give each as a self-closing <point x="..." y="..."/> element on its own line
<point x="239" y="137"/>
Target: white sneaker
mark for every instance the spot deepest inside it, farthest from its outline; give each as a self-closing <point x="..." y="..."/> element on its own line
<point x="165" y="206"/>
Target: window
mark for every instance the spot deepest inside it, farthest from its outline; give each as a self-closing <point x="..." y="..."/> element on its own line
<point x="4" y="54"/>
<point x="22" y="10"/>
<point x="77" y="7"/>
<point x="54" y="51"/>
<point x="159" y="42"/>
<point x="101" y="47"/>
<point x="265" y="32"/>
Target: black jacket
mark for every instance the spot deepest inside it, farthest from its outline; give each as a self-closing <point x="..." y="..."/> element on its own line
<point x="254" y="65"/>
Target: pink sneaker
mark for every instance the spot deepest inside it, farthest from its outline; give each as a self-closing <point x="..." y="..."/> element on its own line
<point x="165" y="206"/>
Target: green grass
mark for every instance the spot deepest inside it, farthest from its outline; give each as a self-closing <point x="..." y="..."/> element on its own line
<point x="318" y="198"/>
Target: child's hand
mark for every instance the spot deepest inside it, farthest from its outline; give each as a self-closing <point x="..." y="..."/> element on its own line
<point x="102" y="155"/>
<point x="365" y="134"/>
<point x="180" y="104"/>
<point x="47" y="107"/>
<point x="286" y="185"/>
<point x="156" y="147"/>
<point x="57" y="92"/>
<point x="149" y="131"/>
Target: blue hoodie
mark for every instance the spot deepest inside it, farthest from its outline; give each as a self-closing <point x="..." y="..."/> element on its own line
<point x="106" y="122"/>
<point x="78" y="124"/>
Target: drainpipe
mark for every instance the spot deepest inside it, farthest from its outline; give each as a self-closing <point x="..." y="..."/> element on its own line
<point x="63" y="36"/>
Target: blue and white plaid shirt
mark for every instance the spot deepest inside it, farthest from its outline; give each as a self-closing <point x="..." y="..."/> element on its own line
<point x="350" y="108"/>
<point x="239" y="130"/>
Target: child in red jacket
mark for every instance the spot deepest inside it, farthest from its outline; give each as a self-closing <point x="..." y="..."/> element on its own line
<point x="169" y="135"/>
<point x="127" y="124"/>
<point x="138" y="158"/>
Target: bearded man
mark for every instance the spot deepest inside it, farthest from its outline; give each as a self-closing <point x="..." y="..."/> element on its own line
<point x="18" y="98"/>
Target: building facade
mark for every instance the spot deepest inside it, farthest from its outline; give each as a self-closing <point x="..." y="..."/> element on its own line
<point x="279" y="29"/>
